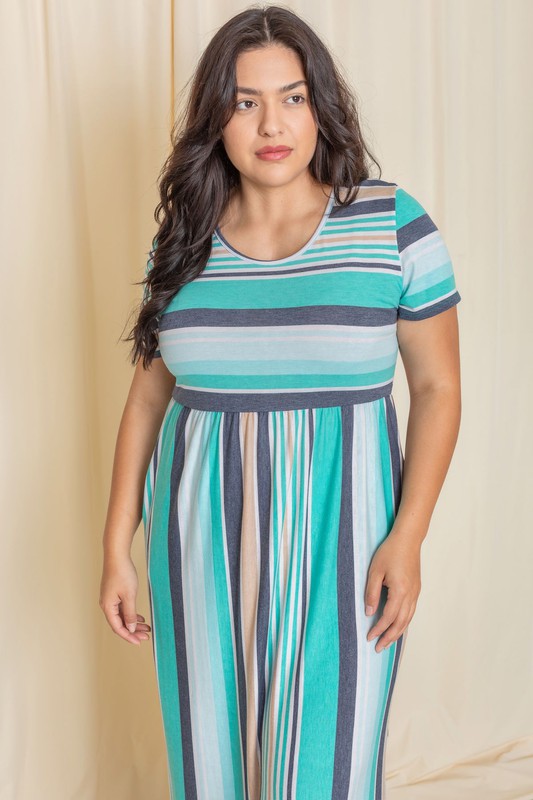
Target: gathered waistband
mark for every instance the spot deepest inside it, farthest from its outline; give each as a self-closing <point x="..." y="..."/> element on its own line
<point x="276" y="401"/>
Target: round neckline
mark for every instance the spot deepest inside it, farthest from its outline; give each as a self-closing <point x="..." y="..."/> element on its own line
<point x="306" y="246"/>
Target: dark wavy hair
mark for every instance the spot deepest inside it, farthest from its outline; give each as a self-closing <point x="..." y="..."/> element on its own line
<point x="197" y="178"/>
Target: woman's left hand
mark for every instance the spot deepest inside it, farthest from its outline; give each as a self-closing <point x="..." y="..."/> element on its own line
<point x="395" y="564"/>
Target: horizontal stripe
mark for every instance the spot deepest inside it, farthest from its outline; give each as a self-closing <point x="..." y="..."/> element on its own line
<point x="270" y="400"/>
<point x="307" y="315"/>
<point x="265" y="366"/>
<point x="323" y="319"/>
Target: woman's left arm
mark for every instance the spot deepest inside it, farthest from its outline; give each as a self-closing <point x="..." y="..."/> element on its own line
<point x="430" y="353"/>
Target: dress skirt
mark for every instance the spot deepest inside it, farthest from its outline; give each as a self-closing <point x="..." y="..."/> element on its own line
<point x="260" y="527"/>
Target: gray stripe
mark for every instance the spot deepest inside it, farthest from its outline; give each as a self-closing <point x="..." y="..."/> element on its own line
<point x="394" y="448"/>
<point x="215" y="274"/>
<point x="232" y="493"/>
<point x="299" y="315"/>
<point x="414" y="230"/>
<point x="178" y="616"/>
<point x="362" y="205"/>
<point x="270" y="401"/>
<point x="377" y="182"/>
<point x="347" y="621"/>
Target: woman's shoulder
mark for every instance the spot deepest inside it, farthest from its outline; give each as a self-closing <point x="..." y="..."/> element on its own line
<point x="385" y="195"/>
<point x="369" y="189"/>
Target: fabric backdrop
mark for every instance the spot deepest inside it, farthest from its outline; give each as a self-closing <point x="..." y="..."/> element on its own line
<point x="89" y="90"/>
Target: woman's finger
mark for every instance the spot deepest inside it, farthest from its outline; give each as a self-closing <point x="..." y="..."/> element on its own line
<point x="373" y="591"/>
<point x="390" y="612"/>
<point x="395" y="630"/>
<point x="114" y="618"/>
<point x="128" y="612"/>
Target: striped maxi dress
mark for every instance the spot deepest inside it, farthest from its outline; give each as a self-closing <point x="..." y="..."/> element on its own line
<point x="275" y="476"/>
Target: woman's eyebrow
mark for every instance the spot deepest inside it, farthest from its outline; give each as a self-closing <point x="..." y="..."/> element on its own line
<point x="247" y="90"/>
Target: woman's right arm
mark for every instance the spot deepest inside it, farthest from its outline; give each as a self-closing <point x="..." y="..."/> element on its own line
<point x="142" y="417"/>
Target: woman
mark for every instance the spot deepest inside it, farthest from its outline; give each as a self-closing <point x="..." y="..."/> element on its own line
<point x="260" y="433"/>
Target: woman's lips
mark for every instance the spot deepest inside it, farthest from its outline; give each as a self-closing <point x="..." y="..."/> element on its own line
<point x="274" y="155"/>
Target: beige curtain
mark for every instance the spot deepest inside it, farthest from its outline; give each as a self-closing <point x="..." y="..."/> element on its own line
<point x="89" y="92"/>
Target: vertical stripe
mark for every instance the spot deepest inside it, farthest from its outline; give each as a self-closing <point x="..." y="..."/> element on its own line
<point x="176" y="592"/>
<point x="232" y="502"/>
<point x="160" y="596"/>
<point x="321" y="646"/>
<point x="264" y="491"/>
<point x="298" y="694"/>
<point x="231" y="754"/>
<point x="249" y="574"/>
<point x="260" y="531"/>
<point x="346" y="618"/>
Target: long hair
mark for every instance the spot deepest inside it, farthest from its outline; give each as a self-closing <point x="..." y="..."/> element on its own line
<point x="197" y="178"/>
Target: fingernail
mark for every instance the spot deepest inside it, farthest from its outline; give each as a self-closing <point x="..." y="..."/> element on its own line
<point x="369" y="610"/>
<point x="131" y="627"/>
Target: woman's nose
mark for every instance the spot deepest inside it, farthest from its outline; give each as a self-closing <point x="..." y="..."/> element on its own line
<point x="270" y="122"/>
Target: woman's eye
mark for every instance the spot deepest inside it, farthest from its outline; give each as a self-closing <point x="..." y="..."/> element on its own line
<point x="300" y="97"/>
<point x="244" y="101"/>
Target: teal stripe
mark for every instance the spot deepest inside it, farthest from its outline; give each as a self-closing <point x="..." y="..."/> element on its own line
<point x="369" y="289"/>
<point x="415" y="299"/>
<point x="163" y="620"/>
<point x="321" y="674"/>
<point x="217" y="748"/>
<point x="229" y="694"/>
<point x="407" y="208"/>
<point x="244" y="382"/>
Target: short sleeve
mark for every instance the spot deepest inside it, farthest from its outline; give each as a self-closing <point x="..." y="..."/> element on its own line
<point x="428" y="280"/>
<point x="146" y="293"/>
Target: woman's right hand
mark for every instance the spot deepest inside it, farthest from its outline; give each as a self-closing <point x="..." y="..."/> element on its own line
<point x="118" y="591"/>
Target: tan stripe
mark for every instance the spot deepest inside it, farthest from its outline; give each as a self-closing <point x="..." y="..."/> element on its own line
<point x="376" y="191"/>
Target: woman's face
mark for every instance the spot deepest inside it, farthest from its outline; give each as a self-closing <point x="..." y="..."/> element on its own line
<point x="267" y="117"/>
